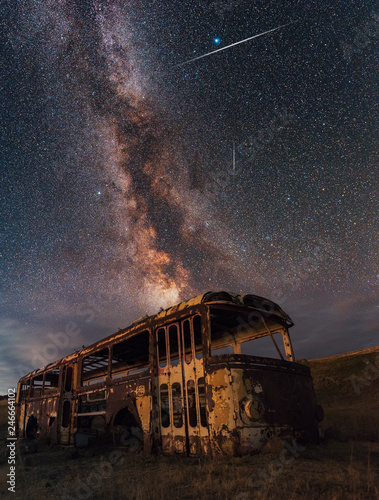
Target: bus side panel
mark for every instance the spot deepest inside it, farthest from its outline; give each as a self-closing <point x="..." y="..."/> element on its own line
<point x="21" y="424"/>
<point x="144" y="408"/>
<point x="224" y="439"/>
<point x="32" y="418"/>
<point x="128" y="411"/>
<point x="48" y="422"/>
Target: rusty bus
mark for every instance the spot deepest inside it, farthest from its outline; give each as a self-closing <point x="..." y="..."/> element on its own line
<point x="177" y="383"/>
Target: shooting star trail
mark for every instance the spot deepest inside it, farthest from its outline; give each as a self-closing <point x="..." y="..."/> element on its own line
<point x="234" y="44"/>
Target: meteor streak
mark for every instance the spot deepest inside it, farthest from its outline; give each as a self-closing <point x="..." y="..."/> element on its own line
<point x="233" y="44"/>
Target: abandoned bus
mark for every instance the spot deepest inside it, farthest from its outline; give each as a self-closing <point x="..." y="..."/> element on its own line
<point x="178" y="382"/>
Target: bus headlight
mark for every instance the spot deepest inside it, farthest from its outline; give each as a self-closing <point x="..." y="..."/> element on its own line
<point x="319" y="413"/>
<point x="252" y="408"/>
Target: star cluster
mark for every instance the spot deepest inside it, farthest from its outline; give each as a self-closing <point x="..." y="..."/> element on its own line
<point x="130" y="182"/>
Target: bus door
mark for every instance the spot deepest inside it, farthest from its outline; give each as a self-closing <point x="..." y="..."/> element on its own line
<point x="66" y="409"/>
<point x="23" y="397"/>
<point x="194" y="387"/>
<point x="170" y="390"/>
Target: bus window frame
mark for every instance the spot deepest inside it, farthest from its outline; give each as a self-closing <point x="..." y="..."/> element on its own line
<point x="145" y="369"/>
<point x="185" y="345"/>
<point x="57" y="389"/>
<point x="23" y="396"/>
<point x="33" y="387"/>
<point x="178" y="331"/>
<point x="198" y="354"/>
<point x="105" y="376"/>
<point x="281" y="327"/>
<point x="157" y="350"/>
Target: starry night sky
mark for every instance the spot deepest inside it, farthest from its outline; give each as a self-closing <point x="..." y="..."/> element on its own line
<point x="119" y="194"/>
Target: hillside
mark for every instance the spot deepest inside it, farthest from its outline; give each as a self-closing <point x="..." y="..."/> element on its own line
<point x="347" y="386"/>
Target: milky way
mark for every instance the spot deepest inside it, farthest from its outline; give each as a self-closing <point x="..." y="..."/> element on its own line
<point x="119" y="195"/>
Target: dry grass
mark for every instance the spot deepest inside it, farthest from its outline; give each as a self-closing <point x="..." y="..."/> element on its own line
<point x="356" y="425"/>
<point x="333" y="470"/>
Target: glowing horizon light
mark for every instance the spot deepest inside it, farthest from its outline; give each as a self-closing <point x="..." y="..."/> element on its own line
<point x="161" y="295"/>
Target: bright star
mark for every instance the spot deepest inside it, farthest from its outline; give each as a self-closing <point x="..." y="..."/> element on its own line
<point x="216" y="40"/>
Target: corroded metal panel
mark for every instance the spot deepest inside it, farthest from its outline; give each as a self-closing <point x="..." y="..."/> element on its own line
<point x="223" y="438"/>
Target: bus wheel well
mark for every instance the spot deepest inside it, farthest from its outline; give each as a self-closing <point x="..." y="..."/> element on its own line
<point x="31" y="427"/>
<point x="125" y="418"/>
<point x="129" y="430"/>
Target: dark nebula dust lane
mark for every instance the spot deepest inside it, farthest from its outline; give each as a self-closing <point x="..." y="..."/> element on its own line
<point x="120" y="191"/>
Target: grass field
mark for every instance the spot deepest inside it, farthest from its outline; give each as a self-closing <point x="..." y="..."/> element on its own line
<point x="345" y="466"/>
